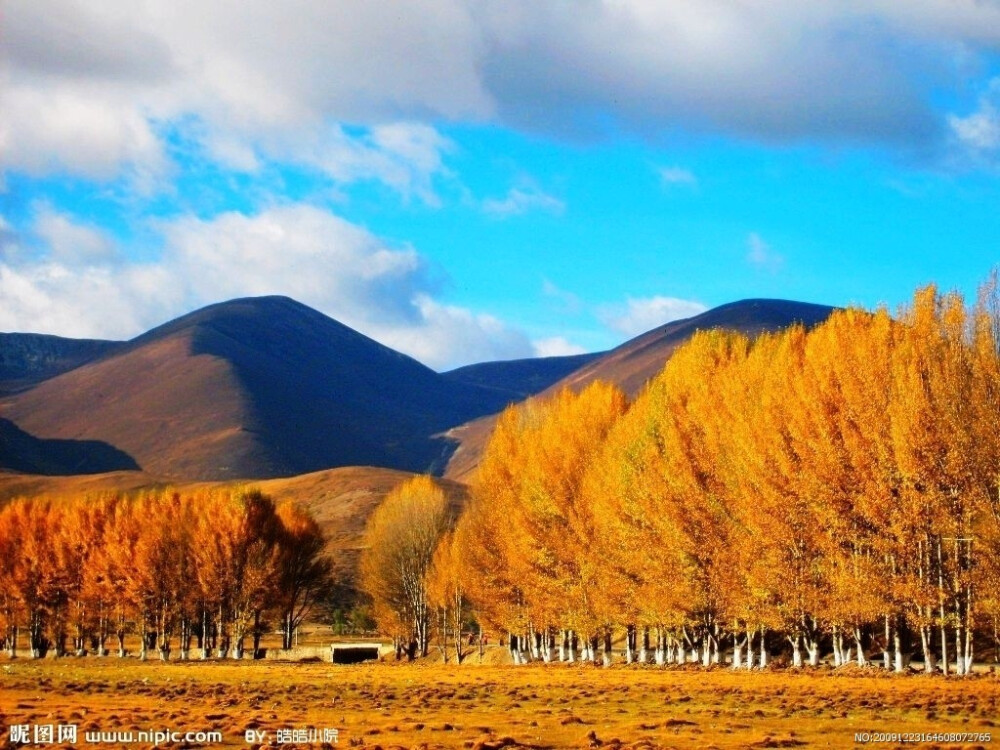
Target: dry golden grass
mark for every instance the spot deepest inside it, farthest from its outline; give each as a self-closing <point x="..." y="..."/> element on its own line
<point x="394" y="705"/>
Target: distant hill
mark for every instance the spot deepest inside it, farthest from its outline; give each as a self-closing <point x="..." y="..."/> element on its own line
<point x="252" y="388"/>
<point x="635" y="362"/>
<point x="27" y="359"/>
<point x="520" y="378"/>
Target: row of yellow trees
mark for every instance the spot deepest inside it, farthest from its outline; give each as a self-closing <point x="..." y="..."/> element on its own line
<point x="214" y="564"/>
<point x="836" y="489"/>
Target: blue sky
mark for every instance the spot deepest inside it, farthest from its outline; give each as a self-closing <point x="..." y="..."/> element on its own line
<point x="467" y="180"/>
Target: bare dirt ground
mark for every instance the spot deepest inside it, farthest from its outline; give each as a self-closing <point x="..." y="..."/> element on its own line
<point x="393" y="705"/>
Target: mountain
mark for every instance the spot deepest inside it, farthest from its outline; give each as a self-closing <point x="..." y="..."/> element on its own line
<point x="27" y="359"/>
<point x="520" y="378"/>
<point x="251" y="388"/>
<point x="635" y="362"/>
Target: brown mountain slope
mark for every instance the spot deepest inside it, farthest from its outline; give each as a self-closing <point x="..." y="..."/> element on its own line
<point x="632" y="364"/>
<point x="341" y="500"/>
<point x="175" y="413"/>
<point x="259" y="387"/>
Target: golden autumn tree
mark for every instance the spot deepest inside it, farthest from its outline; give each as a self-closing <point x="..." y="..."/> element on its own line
<point x="399" y="543"/>
<point x="162" y="570"/>
<point x="303" y="570"/>
<point x="774" y="505"/>
<point x="986" y="573"/>
<point x="121" y="538"/>
<point x="11" y="611"/>
<point x="446" y="593"/>
<point x="638" y="579"/>
<point x="34" y="572"/>
<point x="255" y="534"/>
<point x="945" y="450"/>
<point x="492" y="583"/>
<point x="214" y="551"/>
<point x="532" y="474"/>
<point x="840" y="424"/>
<point x="77" y="556"/>
<point x="657" y="487"/>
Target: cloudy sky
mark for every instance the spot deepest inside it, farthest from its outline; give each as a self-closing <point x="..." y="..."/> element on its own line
<point x="483" y="179"/>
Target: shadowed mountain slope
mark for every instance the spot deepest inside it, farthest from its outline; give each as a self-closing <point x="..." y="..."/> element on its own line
<point x="24" y="453"/>
<point x="27" y="359"/>
<point x="258" y="387"/>
<point x="520" y="378"/>
<point x="635" y="362"/>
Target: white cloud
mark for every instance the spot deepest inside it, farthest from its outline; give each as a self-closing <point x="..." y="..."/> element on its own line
<point x="677" y="176"/>
<point x="66" y="127"/>
<point x="96" y="302"/>
<point x="70" y="243"/>
<point x="761" y="255"/>
<point x="304" y="252"/>
<point x="87" y="84"/>
<point x="641" y="315"/>
<point x="84" y="85"/>
<point x="556" y="346"/>
<point x="447" y="336"/>
<point x="519" y="201"/>
<point x="979" y="132"/>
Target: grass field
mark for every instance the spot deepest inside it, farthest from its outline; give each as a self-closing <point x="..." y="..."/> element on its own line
<point x="394" y="705"/>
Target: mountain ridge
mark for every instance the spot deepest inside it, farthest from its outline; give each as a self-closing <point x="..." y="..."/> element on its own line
<point x="253" y="387"/>
<point x="264" y="387"/>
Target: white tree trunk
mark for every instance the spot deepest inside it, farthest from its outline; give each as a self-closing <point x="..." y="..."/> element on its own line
<point x="812" y="647"/>
<point x="861" y="650"/>
<point x="796" y="651"/>
<point x="959" y="652"/>
<point x="930" y="662"/>
<point x="968" y="650"/>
